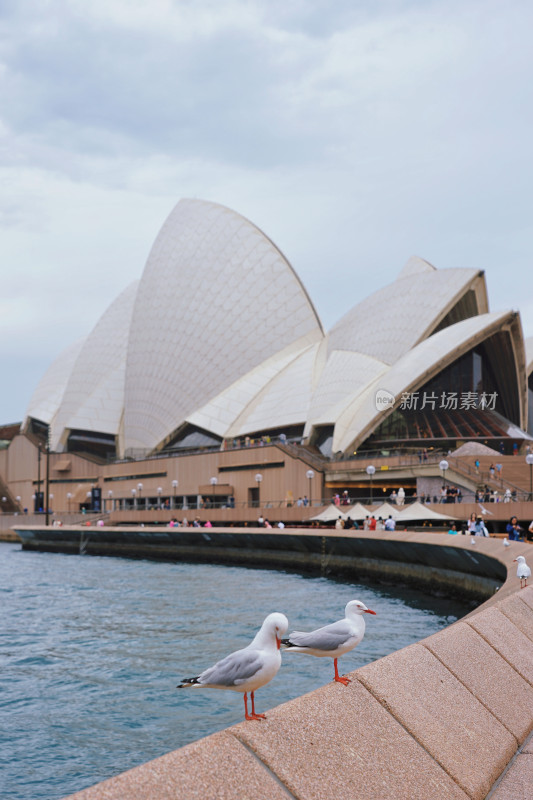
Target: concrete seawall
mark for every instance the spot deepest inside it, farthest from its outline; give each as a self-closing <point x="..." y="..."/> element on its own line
<point x="426" y="560"/>
<point x="447" y="717"/>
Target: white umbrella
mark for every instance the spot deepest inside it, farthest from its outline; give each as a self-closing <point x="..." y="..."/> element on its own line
<point x="419" y="511"/>
<point x="358" y="512"/>
<point x="385" y="510"/>
<point x="329" y="514"/>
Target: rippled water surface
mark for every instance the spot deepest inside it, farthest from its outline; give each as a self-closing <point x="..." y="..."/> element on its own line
<point x="91" y="650"/>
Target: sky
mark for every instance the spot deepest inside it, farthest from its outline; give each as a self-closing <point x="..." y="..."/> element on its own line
<point x="354" y="134"/>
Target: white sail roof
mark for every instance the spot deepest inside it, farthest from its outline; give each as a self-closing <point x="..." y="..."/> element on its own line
<point x="93" y="399"/>
<point x="415" y="368"/>
<point x="49" y="392"/>
<point x="394" y="319"/>
<point x="220" y="335"/>
<point x="216" y="299"/>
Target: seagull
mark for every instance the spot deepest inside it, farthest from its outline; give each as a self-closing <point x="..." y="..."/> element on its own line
<point x="472" y="540"/>
<point x="332" y="640"/>
<point x="248" y="669"/>
<point x="506" y="542"/>
<point x="522" y="571"/>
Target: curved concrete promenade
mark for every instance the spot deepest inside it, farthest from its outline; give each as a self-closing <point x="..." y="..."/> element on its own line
<point x="447" y="718"/>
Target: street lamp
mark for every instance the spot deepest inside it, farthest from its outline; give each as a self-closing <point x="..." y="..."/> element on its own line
<point x="159" y="493"/>
<point x="443" y="466"/>
<point x="110" y="497"/>
<point x="134" y="495"/>
<point x="140" y="491"/>
<point x="310" y="475"/>
<point x="174" y="487"/>
<point x="370" y="470"/>
<point x="529" y="460"/>
<point x="47" y="481"/>
<point x="69" y="498"/>
<point x="18" y="498"/>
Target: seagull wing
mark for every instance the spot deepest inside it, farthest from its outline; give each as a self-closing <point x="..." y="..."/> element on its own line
<point x="330" y="637"/>
<point x="233" y="670"/>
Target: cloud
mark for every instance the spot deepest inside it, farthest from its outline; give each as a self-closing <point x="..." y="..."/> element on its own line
<point x="354" y="135"/>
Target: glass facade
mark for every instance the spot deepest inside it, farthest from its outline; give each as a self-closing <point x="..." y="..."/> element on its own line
<point x="473" y="398"/>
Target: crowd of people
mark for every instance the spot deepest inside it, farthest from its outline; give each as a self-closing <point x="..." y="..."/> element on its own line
<point x="370" y="523"/>
<point x="475" y="526"/>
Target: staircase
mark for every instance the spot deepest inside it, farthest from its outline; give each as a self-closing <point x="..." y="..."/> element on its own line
<point x="514" y="475"/>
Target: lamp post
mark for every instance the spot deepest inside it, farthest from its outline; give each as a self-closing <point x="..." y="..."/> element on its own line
<point x="110" y="499"/>
<point x="47" y="484"/>
<point x="443" y="466"/>
<point x="529" y="460"/>
<point x="258" y="479"/>
<point x="174" y="487"/>
<point x="134" y="495"/>
<point x="18" y="498"/>
<point x="37" y="502"/>
<point x="310" y="475"/>
<point x="140" y="492"/>
<point x="370" y="470"/>
<point x="69" y="498"/>
<point x="159" y="493"/>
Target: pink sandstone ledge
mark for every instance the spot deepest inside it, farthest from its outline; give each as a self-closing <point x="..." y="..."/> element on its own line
<point x="447" y="718"/>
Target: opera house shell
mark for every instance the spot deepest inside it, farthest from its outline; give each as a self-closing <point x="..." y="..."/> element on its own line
<point x="219" y="340"/>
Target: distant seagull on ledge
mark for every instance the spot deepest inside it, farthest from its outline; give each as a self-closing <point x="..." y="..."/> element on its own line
<point x="522" y="571"/>
<point x="332" y="640"/>
<point x="248" y="669"/>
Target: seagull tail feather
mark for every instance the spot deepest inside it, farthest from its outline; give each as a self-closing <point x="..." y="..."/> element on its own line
<point x="185" y="682"/>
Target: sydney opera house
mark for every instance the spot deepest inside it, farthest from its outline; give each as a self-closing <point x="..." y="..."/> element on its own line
<point x="218" y="351"/>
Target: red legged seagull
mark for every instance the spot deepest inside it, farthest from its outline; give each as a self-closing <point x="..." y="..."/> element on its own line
<point x="332" y="640"/>
<point x="522" y="571"/>
<point x="248" y="669"/>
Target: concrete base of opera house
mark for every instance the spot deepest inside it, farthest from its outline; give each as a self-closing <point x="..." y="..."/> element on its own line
<point x="448" y="717"/>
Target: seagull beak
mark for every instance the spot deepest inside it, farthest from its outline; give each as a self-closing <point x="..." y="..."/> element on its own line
<point x="514" y="559"/>
<point x="278" y="642"/>
<point x="368" y="611"/>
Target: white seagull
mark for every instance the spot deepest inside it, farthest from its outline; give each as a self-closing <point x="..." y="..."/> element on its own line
<point x="248" y="669"/>
<point x="332" y="640"/>
<point x="522" y="571"/>
<point x="506" y="542"/>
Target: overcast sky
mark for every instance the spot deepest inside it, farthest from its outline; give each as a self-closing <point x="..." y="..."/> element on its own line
<point x="354" y="134"/>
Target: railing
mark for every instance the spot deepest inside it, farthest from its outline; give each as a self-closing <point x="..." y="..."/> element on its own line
<point x="408" y="455"/>
<point x="244" y="443"/>
<point x="314" y="503"/>
<point x="8" y="519"/>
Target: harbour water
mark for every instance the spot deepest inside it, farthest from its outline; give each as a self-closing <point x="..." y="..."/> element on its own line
<point x="91" y="650"/>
